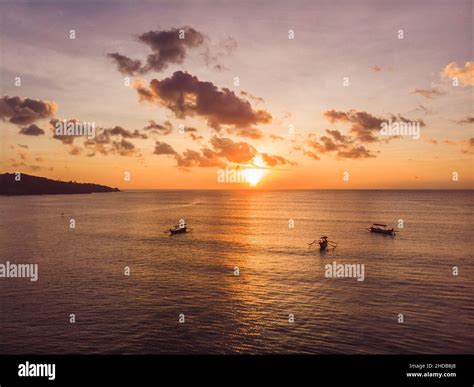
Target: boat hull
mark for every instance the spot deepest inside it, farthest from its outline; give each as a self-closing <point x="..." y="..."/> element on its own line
<point x="178" y="231"/>
<point x="380" y="231"/>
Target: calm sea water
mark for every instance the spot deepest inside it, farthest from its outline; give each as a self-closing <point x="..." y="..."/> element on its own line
<point x="81" y="271"/>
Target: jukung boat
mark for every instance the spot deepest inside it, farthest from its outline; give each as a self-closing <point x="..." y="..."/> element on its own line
<point x="381" y="229"/>
<point x="324" y="243"/>
<point x="179" y="229"/>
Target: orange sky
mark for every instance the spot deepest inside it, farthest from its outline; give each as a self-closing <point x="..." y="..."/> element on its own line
<point x="178" y="98"/>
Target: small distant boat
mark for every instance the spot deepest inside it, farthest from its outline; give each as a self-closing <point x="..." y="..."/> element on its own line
<point x="179" y="230"/>
<point x="324" y="243"/>
<point x="381" y="229"/>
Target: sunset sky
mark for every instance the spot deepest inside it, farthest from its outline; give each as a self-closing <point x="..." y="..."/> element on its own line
<point x="350" y="66"/>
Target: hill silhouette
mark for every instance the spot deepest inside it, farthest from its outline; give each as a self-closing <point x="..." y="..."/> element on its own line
<point x="35" y="185"/>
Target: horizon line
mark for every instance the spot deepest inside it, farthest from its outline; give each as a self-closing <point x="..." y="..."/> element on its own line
<point x="247" y="188"/>
<point x="295" y="189"/>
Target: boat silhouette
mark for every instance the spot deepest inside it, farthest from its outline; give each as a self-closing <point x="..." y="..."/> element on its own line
<point x="381" y="229"/>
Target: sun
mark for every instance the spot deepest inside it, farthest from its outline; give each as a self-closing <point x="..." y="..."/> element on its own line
<point x="253" y="176"/>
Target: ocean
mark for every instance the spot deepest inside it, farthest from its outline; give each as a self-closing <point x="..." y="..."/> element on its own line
<point x="244" y="280"/>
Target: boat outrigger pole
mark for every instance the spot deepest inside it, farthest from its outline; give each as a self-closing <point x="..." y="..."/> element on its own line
<point x="323" y="243"/>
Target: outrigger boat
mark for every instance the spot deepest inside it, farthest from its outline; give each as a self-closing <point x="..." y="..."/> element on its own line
<point x="381" y="229"/>
<point x="179" y="230"/>
<point x="324" y="243"/>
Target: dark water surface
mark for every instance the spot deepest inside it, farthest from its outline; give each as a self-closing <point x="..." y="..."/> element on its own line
<point x="81" y="271"/>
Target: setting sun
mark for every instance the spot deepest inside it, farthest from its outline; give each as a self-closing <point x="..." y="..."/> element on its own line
<point x="253" y="175"/>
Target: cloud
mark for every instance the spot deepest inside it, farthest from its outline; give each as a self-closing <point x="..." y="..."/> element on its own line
<point x="365" y="126"/>
<point x="205" y="159"/>
<point x="121" y="147"/>
<point x="22" y="165"/>
<point x="275" y="160"/>
<point x="339" y="137"/>
<point x="126" y="65"/>
<point x="429" y="93"/>
<point x="211" y="55"/>
<point x="357" y="152"/>
<point x="167" y="128"/>
<point x="253" y="133"/>
<point x="26" y="111"/>
<point x="119" y="131"/>
<point x="32" y="130"/>
<point x="223" y="150"/>
<point x="185" y="95"/>
<point x="336" y="143"/>
<point x="144" y="93"/>
<point x="16" y="164"/>
<point x="164" y="129"/>
<point x="467" y="120"/>
<point x="196" y="137"/>
<point x="465" y="75"/>
<point x="237" y="152"/>
<point x="469" y="146"/>
<point x="229" y="45"/>
<point x="65" y="139"/>
<point x="424" y="109"/>
<point x="124" y="147"/>
<point x="102" y="135"/>
<point x="250" y="96"/>
<point x="376" y="69"/>
<point x="167" y="46"/>
<point x="114" y="140"/>
<point x="311" y="154"/>
<point x="466" y="145"/>
<point x="400" y="118"/>
<point x="328" y="144"/>
<point x="190" y="158"/>
<point x="75" y="150"/>
<point x="162" y="148"/>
